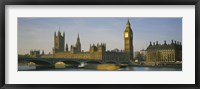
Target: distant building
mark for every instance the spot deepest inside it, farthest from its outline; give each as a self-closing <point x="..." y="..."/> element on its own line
<point x="164" y="53"/>
<point x="140" y="55"/>
<point x="34" y="53"/>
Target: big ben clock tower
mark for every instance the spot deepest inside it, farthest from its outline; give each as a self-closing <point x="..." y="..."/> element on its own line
<point x="128" y="40"/>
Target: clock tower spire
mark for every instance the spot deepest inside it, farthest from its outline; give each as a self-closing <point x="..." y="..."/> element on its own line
<point x="128" y="40"/>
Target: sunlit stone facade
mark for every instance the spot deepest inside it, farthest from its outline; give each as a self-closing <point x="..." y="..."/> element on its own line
<point x="164" y="53"/>
<point x="96" y="52"/>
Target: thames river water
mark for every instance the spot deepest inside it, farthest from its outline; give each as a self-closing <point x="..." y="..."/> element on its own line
<point x="28" y="68"/>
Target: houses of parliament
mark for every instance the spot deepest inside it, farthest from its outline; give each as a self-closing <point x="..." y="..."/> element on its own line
<point x="96" y="51"/>
<point x="154" y="53"/>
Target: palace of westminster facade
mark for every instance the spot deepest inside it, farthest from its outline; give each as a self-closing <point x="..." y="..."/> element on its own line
<point x="96" y="52"/>
<point x="154" y="52"/>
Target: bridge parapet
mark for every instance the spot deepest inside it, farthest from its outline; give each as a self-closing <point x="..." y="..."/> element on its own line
<point x="55" y="60"/>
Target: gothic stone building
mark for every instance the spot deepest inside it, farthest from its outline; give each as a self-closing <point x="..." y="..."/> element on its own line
<point x="34" y="53"/>
<point x="96" y="52"/>
<point x="164" y="53"/>
<point x="59" y="42"/>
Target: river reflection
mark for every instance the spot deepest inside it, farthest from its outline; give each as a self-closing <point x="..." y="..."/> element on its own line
<point x="32" y="68"/>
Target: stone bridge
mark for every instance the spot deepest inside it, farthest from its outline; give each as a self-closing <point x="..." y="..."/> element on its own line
<point x="53" y="61"/>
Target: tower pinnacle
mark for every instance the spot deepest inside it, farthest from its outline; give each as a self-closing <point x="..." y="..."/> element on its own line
<point x="128" y="26"/>
<point x="78" y="39"/>
<point x="78" y="44"/>
<point x="128" y="22"/>
<point x="59" y="31"/>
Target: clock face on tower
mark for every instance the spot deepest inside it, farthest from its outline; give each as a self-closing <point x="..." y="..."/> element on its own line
<point x="126" y="35"/>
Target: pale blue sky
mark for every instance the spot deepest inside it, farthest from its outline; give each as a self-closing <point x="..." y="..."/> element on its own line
<point x="38" y="33"/>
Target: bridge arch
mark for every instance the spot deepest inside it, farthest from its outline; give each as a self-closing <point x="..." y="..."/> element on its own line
<point x="39" y="62"/>
<point x="60" y="64"/>
<point x="111" y="62"/>
<point x="93" y="62"/>
<point x="125" y="62"/>
<point x="31" y="63"/>
<point x="68" y="63"/>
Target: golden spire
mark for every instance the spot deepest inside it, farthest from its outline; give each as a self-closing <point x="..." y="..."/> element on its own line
<point x="128" y="22"/>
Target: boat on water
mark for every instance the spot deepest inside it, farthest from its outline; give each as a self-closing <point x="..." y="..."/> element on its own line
<point x="123" y="65"/>
<point x="82" y="65"/>
<point x="107" y="67"/>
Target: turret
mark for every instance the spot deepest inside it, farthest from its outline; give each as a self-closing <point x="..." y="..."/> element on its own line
<point x="150" y="44"/>
<point x="71" y="47"/>
<point x="59" y="34"/>
<point x="93" y="48"/>
<point x="43" y="52"/>
<point x="66" y="47"/>
<point x="156" y="42"/>
<point x="165" y="42"/>
<point x="54" y="34"/>
<point x="64" y="34"/>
